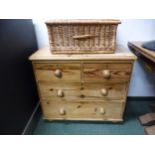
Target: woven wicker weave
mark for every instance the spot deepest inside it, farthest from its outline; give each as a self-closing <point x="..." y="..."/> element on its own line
<point x="82" y="36"/>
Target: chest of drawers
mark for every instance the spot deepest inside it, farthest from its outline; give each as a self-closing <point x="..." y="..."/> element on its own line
<point x="83" y="87"/>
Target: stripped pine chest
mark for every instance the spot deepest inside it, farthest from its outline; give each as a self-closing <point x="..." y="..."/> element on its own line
<point x="83" y="87"/>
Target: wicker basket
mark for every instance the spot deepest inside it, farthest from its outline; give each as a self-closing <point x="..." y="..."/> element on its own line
<point x="82" y="36"/>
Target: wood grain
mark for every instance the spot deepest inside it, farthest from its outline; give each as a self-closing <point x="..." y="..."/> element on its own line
<point x="85" y="111"/>
<point x="46" y="72"/>
<point x="121" y="54"/>
<point x="118" y="72"/>
<point x="78" y="92"/>
<point x="72" y="87"/>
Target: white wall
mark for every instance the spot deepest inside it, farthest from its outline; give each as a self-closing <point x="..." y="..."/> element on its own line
<point x="41" y="33"/>
<point x="137" y="29"/>
<point x="142" y="83"/>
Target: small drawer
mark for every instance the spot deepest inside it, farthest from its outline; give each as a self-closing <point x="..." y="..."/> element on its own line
<point x="77" y="92"/>
<point x="102" y="72"/>
<point x="83" y="111"/>
<point x="57" y="72"/>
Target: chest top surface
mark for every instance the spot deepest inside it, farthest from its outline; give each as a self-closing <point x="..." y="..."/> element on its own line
<point x="120" y="54"/>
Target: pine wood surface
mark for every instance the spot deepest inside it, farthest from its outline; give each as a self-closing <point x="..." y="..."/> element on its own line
<point x="78" y="92"/>
<point x="121" y="54"/>
<point x="86" y="72"/>
<point x="105" y="111"/>
<point x="82" y="87"/>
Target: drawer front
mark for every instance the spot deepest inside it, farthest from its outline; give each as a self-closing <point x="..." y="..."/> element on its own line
<point x="58" y="72"/>
<point x="86" y="92"/>
<point x="107" y="72"/>
<point x="86" y="111"/>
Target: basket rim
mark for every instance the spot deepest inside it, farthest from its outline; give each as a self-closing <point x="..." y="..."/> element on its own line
<point x="83" y="21"/>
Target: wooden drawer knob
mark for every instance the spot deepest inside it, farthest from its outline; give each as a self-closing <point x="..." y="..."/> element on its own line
<point x="62" y="111"/>
<point x="58" y="73"/>
<point x="106" y="74"/>
<point x="104" y="92"/>
<point x="102" y="110"/>
<point x="60" y="93"/>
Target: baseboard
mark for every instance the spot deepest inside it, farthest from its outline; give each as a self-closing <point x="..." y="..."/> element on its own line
<point x="141" y="98"/>
<point x="32" y="122"/>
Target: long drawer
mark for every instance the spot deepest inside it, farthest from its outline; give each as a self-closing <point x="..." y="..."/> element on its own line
<point x="82" y="92"/>
<point x="111" y="111"/>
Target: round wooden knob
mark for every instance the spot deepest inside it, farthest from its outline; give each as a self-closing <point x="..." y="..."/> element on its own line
<point x="60" y="93"/>
<point x="106" y="74"/>
<point x="62" y="111"/>
<point x="102" y="110"/>
<point x="104" y="92"/>
<point x="58" y="73"/>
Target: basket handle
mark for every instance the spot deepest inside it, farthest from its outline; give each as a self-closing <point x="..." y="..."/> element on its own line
<point x="85" y="36"/>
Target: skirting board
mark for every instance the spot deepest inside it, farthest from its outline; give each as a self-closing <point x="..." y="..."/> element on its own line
<point x="31" y="124"/>
<point x="141" y="98"/>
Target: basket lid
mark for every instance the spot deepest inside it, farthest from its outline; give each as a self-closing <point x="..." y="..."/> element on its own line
<point x="83" y="21"/>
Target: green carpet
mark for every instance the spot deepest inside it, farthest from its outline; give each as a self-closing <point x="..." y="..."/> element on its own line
<point x="130" y="126"/>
